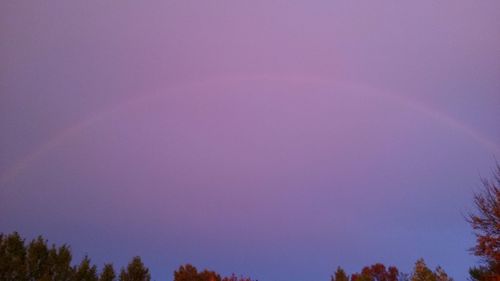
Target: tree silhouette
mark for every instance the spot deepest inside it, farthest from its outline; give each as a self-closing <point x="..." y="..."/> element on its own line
<point x="339" y="275"/>
<point x="13" y="258"/>
<point x="108" y="273"/>
<point x="189" y="272"/>
<point x="38" y="261"/>
<point x="376" y="272"/>
<point x="135" y="271"/>
<point x="422" y="273"/>
<point x="61" y="268"/>
<point x="486" y="224"/>
<point x="85" y="271"/>
<point x="186" y="273"/>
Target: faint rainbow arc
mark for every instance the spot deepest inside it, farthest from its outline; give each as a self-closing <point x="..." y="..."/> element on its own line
<point x="65" y="134"/>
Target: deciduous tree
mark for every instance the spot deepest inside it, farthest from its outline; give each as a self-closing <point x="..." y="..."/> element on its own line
<point x="486" y="224"/>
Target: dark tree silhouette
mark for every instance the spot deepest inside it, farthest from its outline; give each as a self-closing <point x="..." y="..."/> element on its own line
<point x="486" y="224"/>
<point x="39" y="260"/>
<point x="376" y="272"/>
<point x="85" y="271"/>
<point x="423" y="273"/>
<point x="108" y="273"/>
<point x="61" y="263"/>
<point x="13" y="258"/>
<point x="339" y="275"/>
<point x="135" y="271"/>
<point x="208" y="275"/>
<point x="189" y="272"/>
<point x="186" y="273"/>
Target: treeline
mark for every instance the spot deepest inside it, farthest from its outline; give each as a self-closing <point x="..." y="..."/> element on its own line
<point x="37" y="261"/>
<point x="378" y="272"/>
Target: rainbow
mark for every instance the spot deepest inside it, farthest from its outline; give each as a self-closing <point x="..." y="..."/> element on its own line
<point x="73" y="130"/>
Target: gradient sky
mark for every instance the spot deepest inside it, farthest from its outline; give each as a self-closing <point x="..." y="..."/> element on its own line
<point x="276" y="139"/>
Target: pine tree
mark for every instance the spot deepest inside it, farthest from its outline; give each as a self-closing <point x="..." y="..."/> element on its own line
<point x="108" y="273"/>
<point x="61" y="258"/>
<point x="135" y="271"/>
<point x="85" y="271"/>
<point x="13" y="258"/>
<point x="37" y="260"/>
<point x="340" y="275"/>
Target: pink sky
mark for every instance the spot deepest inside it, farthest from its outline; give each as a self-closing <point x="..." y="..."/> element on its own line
<point x="277" y="139"/>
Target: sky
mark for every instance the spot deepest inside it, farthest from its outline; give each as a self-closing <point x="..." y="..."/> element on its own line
<point x="274" y="139"/>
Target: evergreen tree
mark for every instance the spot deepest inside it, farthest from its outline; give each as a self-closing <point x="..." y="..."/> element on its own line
<point x="108" y="273"/>
<point x="38" y="261"/>
<point x="13" y="258"/>
<point x="61" y="258"/>
<point x="85" y="271"/>
<point x="339" y="275"/>
<point x="135" y="271"/>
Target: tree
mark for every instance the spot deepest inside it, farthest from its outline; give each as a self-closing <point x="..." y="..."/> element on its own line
<point x="37" y="259"/>
<point x="441" y="275"/>
<point x="376" y="272"/>
<point x="189" y="273"/>
<point x="13" y="258"/>
<point x="421" y="272"/>
<point x="85" y="271"/>
<point x="136" y="271"/>
<point x="340" y="275"/>
<point x="208" y="275"/>
<point x="61" y="269"/>
<point x="186" y="273"/>
<point x="486" y="225"/>
<point x="108" y="273"/>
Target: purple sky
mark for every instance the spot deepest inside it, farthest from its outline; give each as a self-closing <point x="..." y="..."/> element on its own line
<point x="276" y="139"/>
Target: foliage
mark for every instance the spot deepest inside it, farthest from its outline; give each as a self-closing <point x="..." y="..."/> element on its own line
<point x="486" y="225"/>
<point x="422" y="273"/>
<point x="13" y="258"/>
<point x="36" y="261"/>
<point x="378" y="272"/>
<point x="108" y="273"/>
<point x="85" y="271"/>
<point x="135" y="271"/>
<point x="189" y="273"/>
<point x="340" y="275"/>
